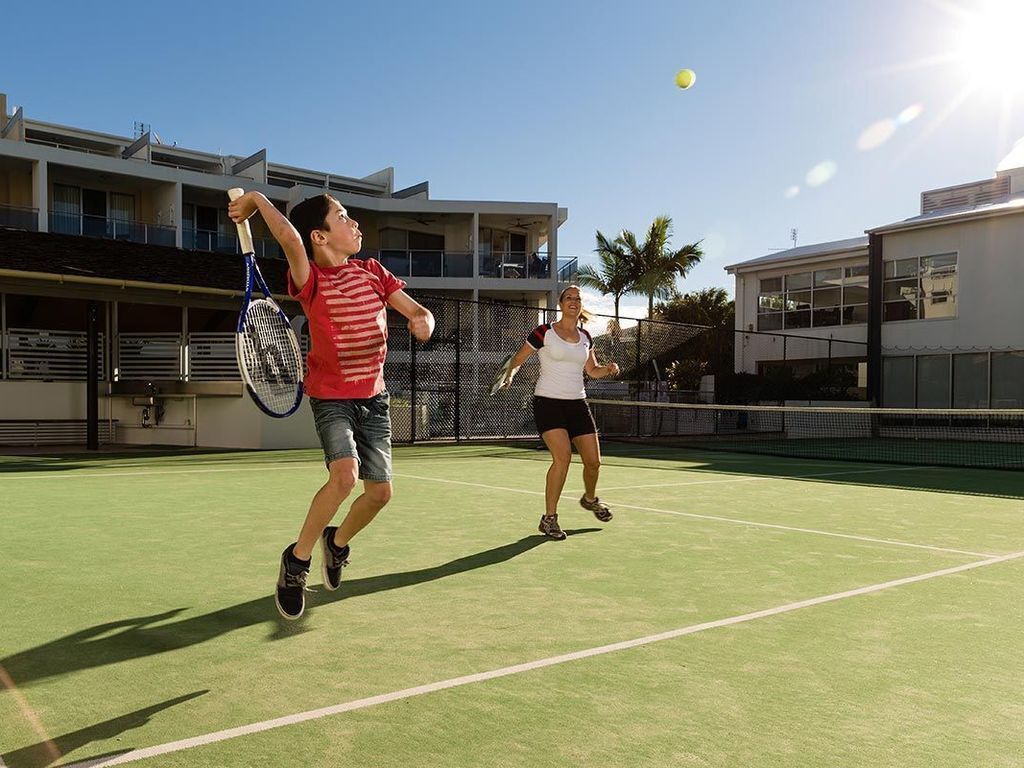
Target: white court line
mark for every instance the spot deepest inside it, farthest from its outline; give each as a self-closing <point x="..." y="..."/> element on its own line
<point x="891" y="542"/>
<point x="455" y="682"/>
<point x="761" y="477"/>
<point x="39" y="475"/>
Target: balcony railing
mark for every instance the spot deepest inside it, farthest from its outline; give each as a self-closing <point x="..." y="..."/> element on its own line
<point x="111" y="229"/>
<point x="424" y="263"/>
<point x="17" y="217"/>
<point x="515" y="265"/>
<point x="567" y="269"/>
<point x="223" y="242"/>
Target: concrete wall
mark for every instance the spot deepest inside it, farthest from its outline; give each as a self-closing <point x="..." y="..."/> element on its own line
<point x="990" y="267"/>
<point x="210" y="422"/>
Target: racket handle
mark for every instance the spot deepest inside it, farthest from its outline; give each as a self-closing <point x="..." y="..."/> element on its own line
<point x="244" y="233"/>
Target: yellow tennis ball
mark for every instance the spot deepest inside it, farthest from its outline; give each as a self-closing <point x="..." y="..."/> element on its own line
<point x="685" y="78"/>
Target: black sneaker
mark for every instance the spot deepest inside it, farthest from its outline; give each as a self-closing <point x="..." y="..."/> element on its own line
<point x="598" y="507"/>
<point x="549" y="527"/>
<point x="291" y="587"/>
<point x="334" y="559"/>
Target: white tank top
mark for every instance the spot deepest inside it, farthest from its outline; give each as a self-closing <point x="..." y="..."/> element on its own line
<point x="561" y="363"/>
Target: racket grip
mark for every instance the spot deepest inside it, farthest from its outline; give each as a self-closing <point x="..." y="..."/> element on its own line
<point x="244" y="233"/>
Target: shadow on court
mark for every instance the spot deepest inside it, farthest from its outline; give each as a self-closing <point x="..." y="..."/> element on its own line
<point x="117" y="641"/>
<point x="49" y="460"/>
<point x="48" y="752"/>
<point x="972" y="481"/>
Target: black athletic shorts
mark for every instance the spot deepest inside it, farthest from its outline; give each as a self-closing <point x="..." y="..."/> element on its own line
<point x="571" y="415"/>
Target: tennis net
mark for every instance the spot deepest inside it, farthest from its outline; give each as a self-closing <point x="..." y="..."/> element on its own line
<point x="957" y="437"/>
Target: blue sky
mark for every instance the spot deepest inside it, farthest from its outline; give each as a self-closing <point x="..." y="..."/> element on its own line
<point x="569" y="101"/>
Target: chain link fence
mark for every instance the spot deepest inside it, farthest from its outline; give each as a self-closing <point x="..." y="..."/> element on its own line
<point x="440" y="390"/>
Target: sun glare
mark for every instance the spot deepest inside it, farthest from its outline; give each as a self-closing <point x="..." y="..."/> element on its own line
<point x="988" y="42"/>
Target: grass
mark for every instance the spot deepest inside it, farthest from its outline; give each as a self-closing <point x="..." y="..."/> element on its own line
<point x="138" y="612"/>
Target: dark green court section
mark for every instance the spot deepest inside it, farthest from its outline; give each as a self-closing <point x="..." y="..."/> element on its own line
<point x="137" y="611"/>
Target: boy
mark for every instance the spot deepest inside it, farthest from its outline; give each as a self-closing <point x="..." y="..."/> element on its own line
<point x="345" y="301"/>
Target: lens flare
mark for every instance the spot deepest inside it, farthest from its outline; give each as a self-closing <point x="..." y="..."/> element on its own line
<point x="876" y="134"/>
<point x="910" y="114"/>
<point x="791" y="192"/>
<point x="821" y="173"/>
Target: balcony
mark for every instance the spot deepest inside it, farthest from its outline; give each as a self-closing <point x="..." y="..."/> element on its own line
<point x="517" y="265"/>
<point x="223" y="242"/>
<point x="567" y="269"/>
<point x="17" y="217"/>
<point x="112" y="229"/>
<point x="424" y="263"/>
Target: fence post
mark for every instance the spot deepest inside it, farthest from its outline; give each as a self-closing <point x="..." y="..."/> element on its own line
<point x="412" y="388"/>
<point x="458" y="370"/>
<point x="636" y="373"/>
<point x="92" y="357"/>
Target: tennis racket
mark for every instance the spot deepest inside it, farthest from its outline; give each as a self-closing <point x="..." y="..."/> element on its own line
<point x="268" y="353"/>
<point x="503" y="373"/>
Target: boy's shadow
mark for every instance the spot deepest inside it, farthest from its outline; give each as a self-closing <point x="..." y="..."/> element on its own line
<point x="127" y="639"/>
<point x="48" y="752"/>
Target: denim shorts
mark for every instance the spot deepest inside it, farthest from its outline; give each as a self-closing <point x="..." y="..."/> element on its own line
<point x="359" y="429"/>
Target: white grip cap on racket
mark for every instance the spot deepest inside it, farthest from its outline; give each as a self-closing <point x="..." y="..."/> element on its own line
<point x="244" y="233"/>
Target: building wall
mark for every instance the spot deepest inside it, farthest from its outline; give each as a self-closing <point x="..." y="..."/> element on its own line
<point x="990" y="268"/>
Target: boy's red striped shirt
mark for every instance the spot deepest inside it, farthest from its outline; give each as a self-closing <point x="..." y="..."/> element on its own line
<point x="346" y="308"/>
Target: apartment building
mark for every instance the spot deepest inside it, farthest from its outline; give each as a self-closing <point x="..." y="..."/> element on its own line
<point x="134" y="233"/>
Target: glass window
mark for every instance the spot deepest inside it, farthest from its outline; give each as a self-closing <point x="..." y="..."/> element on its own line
<point x="898" y="382"/>
<point x="828" y="316"/>
<point x="798" y="282"/>
<point x="798" y="319"/>
<point x="855" y="314"/>
<point x="900" y="289"/>
<point x="898" y="310"/>
<point x="771" y="285"/>
<point x="1008" y="379"/>
<point x="827" y="297"/>
<point x="769" y="302"/>
<point x="855" y="284"/>
<point x="828" y="278"/>
<point x="933" y="381"/>
<point x="970" y="381"/>
<point x="769" y="322"/>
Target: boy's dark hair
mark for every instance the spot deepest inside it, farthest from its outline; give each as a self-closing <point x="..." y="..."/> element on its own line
<point x="311" y="214"/>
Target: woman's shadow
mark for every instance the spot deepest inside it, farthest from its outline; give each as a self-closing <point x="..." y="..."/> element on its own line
<point x="127" y="639"/>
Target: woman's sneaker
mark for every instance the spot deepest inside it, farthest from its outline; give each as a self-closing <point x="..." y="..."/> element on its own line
<point x="291" y="586"/>
<point x="334" y="559"/>
<point x="549" y="527"/>
<point x="598" y="507"/>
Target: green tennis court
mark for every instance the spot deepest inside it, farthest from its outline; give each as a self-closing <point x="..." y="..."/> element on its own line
<point x="739" y="610"/>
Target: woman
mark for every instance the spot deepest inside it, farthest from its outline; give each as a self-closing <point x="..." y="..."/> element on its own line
<point x="560" y="407"/>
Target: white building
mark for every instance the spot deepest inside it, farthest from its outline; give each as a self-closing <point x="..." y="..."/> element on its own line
<point x="935" y="299"/>
<point x="141" y="229"/>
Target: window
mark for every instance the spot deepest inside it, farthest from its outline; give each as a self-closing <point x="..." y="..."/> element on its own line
<point x="970" y="380"/>
<point x="855" y="294"/>
<point x="1008" y="379"/>
<point x="824" y="297"/>
<point x="933" y="381"/>
<point x="770" y="304"/>
<point x="920" y="288"/>
<point x="898" y="382"/>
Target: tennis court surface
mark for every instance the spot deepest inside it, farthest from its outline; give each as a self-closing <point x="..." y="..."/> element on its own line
<point x="740" y="610"/>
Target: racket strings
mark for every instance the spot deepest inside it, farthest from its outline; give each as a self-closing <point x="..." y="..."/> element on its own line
<point x="270" y="356"/>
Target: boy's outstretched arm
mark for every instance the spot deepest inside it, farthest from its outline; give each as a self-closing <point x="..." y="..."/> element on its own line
<point x="421" y="321"/>
<point x="241" y="209"/>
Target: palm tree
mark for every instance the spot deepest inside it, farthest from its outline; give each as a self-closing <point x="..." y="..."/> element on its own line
<point x="656" y="265"/>
<point x="615" y="275"/>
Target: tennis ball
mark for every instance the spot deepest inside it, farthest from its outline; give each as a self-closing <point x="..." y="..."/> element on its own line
<point x="685" y="78"/>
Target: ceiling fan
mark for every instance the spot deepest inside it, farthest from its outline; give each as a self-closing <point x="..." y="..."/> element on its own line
<point x="520" y="224"/>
